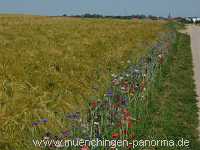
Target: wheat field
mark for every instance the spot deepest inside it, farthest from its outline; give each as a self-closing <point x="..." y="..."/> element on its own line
<point x="53" y="65"/>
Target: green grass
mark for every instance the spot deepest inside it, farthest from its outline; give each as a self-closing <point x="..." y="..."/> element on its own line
<point x="176" y="25"/>
<point x="50" y="66"/>
<point x="172" y="107"/>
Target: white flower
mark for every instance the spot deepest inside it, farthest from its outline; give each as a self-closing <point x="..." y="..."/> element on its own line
<point x="121" y="78"/>
<point x="144" y="75"/>
<point x="128" y="61"/>
<point x="113" y="75"/>
<point x="136" y="71"/>
<point x="46" y="138"/>
<point x="96" y="123"/>
<point x="122" y="88"/>
<point x="160" y="56"/>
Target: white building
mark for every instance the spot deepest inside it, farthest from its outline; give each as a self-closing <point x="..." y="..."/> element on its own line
<point x="193" y="19"/>
<point x="196" y="19"/>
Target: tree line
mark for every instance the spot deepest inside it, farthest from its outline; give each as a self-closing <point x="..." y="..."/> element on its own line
<point x="138" y="16"/>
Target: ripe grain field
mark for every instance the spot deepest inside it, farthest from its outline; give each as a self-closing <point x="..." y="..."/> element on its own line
<point x="52" y="65"/>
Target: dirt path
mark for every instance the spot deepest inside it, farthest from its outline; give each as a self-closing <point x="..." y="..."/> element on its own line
<point x="194" y="32"/>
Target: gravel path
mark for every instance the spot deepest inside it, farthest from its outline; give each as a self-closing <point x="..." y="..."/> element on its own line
<point x="194" y="32"/>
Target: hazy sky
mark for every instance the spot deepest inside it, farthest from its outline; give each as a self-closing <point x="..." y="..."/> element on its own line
<point x="105" y="7"/>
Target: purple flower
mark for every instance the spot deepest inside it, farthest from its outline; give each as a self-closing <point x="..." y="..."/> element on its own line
<point x="44" y="120"/>
<point x="66" y="133"/>
<point x="34" y="123"/>
<point x="109" y="93"/>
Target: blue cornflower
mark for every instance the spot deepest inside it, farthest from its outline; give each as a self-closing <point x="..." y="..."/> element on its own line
<point x="110" y="93"/>
<point x="44" y="120"/>
<point x="34" y="123"/>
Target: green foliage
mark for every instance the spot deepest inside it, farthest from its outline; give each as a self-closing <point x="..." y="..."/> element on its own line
<point x="172" y="108"/>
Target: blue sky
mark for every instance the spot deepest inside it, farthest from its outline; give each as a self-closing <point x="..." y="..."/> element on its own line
<point x="105" y="7"/>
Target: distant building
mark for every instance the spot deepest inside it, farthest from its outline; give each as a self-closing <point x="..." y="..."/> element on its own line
<point x="193" y="19"/>
<point x="169" y="16"/>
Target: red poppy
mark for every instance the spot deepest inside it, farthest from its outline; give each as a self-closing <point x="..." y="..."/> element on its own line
<point x="129" y="124"/>
<point x="126" y="117"/>
<point x="85" y="147"/>
<point x="94" y="104"/>
<point x="130" y="146"/>
<point x="125" y="111"/>
<point x="127" y="114"/>
<point x="125" y="132"/>
<point x="115" y="135"/>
